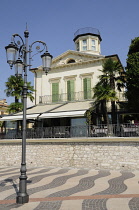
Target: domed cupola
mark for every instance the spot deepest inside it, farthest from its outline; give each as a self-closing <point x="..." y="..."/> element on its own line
<point x="88" y="40"/>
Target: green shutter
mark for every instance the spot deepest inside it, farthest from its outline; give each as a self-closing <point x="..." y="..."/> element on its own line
<point x="55" y="92"/>
<point x="87" y="88"/>
<point x="70" y="90"/>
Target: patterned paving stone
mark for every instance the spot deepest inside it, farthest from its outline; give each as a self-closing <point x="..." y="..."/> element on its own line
<point x="15" y="183"/>
<point x="100" y="184"/>
<point x="116" y="186"/>
<point x="11" y="179"/>
<point x="121" y="203"/>
<point x="70" y="183"/>
<point x="3" y="170"/>
<point x="71" y="189"/>
<point x="134" y="204"/>
<point x="132" y="184"/>
<point x="84" y="184"/>
<point x="71" y="205"/>
<point x="37" y="189"/>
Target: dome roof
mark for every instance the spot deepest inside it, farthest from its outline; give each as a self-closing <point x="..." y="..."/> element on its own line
<point x="87" y="31"/>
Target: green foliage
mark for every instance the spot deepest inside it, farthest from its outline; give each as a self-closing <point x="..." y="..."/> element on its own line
<point x="15" y="107"/>
<point x="111" y="67"/>
<point x="14" y="87"/>
<point x="104" y="90"/>
<point x="132" y="75"/>
<point x="134" y="46"/>
<point x="88" y="115"/>
<point x="1" y="124"/>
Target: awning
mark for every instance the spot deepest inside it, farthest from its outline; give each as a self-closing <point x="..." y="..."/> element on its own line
<point x="63" y="114"/>
<point x="71" y="109"/>
<point x="18" y="117"/>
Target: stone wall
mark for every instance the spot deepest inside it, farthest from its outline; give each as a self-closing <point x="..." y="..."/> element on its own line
<point x="114" y="155"/>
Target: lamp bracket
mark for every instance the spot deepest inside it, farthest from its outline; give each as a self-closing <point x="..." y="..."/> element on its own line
<point x="19" y="44"/>
<point x="40" y="47"/>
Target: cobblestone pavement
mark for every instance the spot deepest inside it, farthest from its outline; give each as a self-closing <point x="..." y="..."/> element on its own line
<point x="71" y="189"/>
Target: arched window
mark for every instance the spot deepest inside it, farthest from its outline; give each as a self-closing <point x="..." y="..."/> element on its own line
<point x="71" y="61"/>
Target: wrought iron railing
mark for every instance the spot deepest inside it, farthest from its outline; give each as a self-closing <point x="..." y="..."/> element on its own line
<point x="73" y="96"/>
<point x="64" y="97"/>
<point x="121" y="130"/>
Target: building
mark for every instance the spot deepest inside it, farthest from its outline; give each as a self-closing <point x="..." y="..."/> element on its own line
<point x="3" y="107"/>
<point x="3" y="111"/>
<point x="63" y="96"/>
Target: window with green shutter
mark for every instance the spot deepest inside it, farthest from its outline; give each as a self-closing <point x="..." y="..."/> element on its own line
<point x="70" y="90"/>
<point x="87" y="88"/>
<point x="55" y="92"/>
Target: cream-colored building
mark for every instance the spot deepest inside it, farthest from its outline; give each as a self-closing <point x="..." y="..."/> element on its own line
<point x="70" y="82"/>
<point x="3" y="107"/>
<point x="65" y="93"/>
<point x="71" y="70"/>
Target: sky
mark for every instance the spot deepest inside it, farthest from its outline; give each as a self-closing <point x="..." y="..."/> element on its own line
<point x="56" y="21"/>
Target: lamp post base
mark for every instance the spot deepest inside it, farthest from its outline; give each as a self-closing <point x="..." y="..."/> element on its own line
<point x="22" y="198"/>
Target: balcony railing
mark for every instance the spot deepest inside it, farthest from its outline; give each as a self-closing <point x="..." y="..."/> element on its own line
<point x="64" y="97"/>
<point x="73" y="96"/>
<point x="112" y="130"/>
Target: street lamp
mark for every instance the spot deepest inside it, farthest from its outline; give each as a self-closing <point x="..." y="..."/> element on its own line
<point x="22" y="49"/>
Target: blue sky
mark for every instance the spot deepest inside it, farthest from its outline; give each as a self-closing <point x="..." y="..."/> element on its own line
<point x="56" y="21"/>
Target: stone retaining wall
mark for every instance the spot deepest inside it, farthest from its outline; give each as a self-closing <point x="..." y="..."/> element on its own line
<point x="114" y="155"/>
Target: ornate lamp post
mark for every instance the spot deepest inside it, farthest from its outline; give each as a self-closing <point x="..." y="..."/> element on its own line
<point x="22" y="50"/>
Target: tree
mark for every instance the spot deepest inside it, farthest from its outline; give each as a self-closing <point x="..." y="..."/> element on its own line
<point x="1" y="124"/>
<point x="132" y="75"/>
<point x="105" y="89"/>
<point x="14" y="87"/>
<point x="15" y="107"/>
<point x="102" y="94"/>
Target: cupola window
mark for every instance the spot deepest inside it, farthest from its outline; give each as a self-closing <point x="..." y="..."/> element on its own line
<point x="88" y="40"/>
<point x="93" y="45"/>
<point x="84" y="43"/>
<point x="77" y="46"/>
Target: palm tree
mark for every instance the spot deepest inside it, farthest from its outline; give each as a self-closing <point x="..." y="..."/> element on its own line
<point x="114" y="71"/>
<point x="15" y="88"/>
<point x="102" y="94"/>
<point x="105" y="90"/>
<point x="15" y="107"/>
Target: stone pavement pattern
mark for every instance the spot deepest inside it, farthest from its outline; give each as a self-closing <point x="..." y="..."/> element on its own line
<point x="71" y="189"/>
